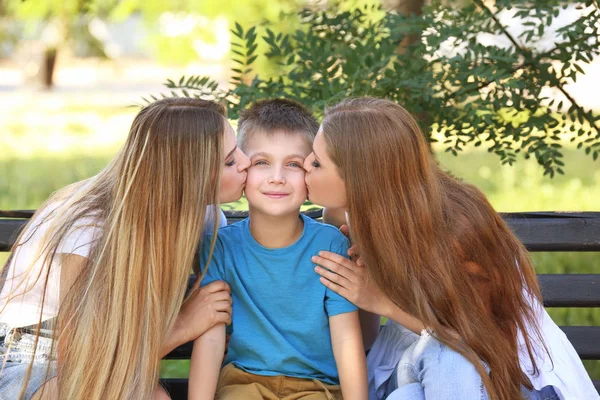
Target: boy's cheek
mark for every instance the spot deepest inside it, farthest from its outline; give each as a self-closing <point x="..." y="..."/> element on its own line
<point x="254" y="176"/>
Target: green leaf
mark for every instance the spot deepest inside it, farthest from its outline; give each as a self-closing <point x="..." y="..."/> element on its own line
<point x="239" y="31"/>
<point x="251" y="60"/>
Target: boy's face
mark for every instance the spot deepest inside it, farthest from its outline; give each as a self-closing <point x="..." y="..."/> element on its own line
<point x="275" y="185"/>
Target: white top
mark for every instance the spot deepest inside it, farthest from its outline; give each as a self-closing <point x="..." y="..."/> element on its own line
<point x="563" y="369"/>
<point x="565" y="372"/>
<point x="24" y="309"/>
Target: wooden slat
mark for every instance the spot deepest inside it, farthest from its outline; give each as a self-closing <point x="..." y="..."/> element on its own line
<point x="570" y="290"/>
<point x="9" y="230"/>
<point x="25" y="214"/>
<point x="177" y="388"/>
<point x="556" y="231"/>
<point x="539" y="231"/>
<point x="183" y="352"/>
<point x="585" y="340"/>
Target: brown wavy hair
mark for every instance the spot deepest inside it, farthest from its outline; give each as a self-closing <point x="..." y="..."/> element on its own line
<point x="434" y="245"/>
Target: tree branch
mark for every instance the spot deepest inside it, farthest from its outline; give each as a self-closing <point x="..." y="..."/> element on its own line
<point x="497" y="21"/>
<point x="527" y="55"/>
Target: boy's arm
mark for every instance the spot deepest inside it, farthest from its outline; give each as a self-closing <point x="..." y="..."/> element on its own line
<point x="349" y="354"/>
<point x="369" y="322"/>
<point x="206" y="360"/>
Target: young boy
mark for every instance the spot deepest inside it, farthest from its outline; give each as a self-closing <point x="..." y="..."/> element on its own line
<point x="292" y="337"/>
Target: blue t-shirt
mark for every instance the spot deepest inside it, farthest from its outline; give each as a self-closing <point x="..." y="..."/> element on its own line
<point x="280" y="309"/>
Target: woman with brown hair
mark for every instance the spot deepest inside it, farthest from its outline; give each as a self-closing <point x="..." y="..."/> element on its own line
<point x="92" y="293"/>
<point x="436" y="258"/>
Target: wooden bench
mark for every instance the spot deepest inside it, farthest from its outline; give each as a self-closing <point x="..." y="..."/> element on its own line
<point x="540" y="231"/>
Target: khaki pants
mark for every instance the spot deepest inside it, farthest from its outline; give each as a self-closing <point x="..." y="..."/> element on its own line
<point x="236" y="384"/>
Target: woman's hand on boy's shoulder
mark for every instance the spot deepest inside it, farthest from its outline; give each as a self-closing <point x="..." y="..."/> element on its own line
<point x="348" y="278"/>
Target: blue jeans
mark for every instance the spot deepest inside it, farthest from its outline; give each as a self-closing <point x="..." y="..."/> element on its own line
<point x="430" y="370"/>
<point x="13" y="375"/>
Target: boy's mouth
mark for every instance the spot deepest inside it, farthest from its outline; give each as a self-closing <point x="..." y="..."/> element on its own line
<point x="276" y="195"/>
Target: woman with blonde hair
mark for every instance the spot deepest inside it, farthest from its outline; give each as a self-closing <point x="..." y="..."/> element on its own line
<point x="432" y="255"/>
<point x="93" y="292"/>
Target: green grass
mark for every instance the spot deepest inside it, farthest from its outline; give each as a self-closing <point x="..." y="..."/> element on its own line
<point x="39" y="159"/>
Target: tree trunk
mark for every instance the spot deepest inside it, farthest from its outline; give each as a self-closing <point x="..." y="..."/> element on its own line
<point x="406" y="7"/>
<point x="47" y="67"/>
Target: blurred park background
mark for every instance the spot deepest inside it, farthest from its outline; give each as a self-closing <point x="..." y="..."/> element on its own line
<point x="73" y="74"/>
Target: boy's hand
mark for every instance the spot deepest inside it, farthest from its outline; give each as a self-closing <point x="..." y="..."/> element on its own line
<point x="204" y="308"/>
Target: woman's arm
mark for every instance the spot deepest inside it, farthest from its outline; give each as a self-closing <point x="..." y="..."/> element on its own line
<point x="346" y="341"/>
<point x="350" y="280"/>
<point x="206" y="361"/>
<point x="204" y="308"/>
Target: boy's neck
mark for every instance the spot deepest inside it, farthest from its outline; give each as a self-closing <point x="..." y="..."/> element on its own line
<point x="274" y="232"/>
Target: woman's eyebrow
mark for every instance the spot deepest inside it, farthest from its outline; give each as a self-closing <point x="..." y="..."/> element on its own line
<point x="231" y="152"/>
<point x="315" y="153"/>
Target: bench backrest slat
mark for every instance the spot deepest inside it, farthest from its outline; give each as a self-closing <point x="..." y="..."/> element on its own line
<point x="543" y="231"/>
<point x="570" y="290"/>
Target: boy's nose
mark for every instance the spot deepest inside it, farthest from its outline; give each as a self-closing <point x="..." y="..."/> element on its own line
<point x="277" y="178"/>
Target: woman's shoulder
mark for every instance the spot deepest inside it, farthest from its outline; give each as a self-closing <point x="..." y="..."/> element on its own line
<point x="81" y="233"/>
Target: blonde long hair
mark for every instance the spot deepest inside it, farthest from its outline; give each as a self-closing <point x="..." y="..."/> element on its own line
<point x="419" y="228"/>
<point x="151" y="203"/>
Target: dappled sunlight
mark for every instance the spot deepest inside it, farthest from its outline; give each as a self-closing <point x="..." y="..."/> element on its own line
<point x="34" y="127"/>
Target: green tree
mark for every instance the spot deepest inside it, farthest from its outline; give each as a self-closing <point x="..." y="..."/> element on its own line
<point x="59" y="22"/>
<point x="65" y="21"/>
<point x="464" y="86"/>
<point x="180" y="48"/>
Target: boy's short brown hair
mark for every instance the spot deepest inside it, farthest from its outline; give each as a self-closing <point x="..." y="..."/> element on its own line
<point x="274" y="116"/>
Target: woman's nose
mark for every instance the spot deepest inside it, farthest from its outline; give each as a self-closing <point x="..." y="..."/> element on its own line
<point x="244" y="162"/>
<point x="308" y="163"/>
